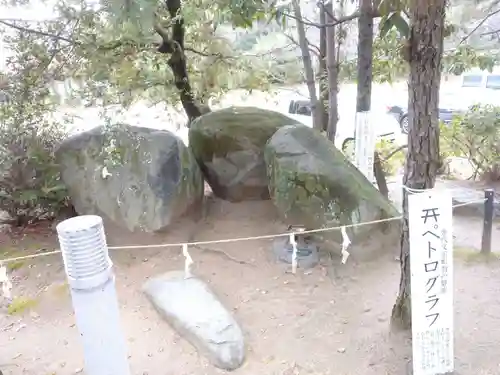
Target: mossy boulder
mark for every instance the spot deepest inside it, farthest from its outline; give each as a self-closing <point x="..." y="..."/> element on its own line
<point x="140" y="178"/>
<point x="229" y="147"/>
<point x="313" y="184"/>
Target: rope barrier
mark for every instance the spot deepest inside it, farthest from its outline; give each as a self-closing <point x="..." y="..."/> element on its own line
<point x="184" y="245"/>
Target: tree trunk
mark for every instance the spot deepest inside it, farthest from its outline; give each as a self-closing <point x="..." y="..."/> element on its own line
<point x="308" y="66"/>
<point x="422" y="161"/>
<point x="378" y="171"/>
<point x="323" y="75"/>
<point x="365" y="80"/>
<point x="332" y="72"/>
<point x="365" y="57"/>
<point x="174" y="46"/>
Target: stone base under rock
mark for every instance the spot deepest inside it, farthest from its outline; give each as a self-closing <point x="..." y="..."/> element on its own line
<point x="307" y="252"/>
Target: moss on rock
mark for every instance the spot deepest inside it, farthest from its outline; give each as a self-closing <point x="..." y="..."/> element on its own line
<point x="313" y="184"/>
<point x="151" y="177"/>
<point x="229" y="147"/>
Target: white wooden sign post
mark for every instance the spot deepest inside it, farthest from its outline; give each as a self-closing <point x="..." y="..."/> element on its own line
<point x="431" y="262"/>
<point x="364" y="144"/>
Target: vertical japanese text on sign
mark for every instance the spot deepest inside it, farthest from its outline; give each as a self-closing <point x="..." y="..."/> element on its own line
<point x="364" y="144"/>
<point x="430" y="226"/>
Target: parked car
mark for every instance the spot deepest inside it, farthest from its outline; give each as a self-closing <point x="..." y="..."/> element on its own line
<point x="387" y="128"/>
<point x="401" y="115"/>
<point x="450" y="105"/>
<point x="300" y="107"/>
<point x="480" y="79"/>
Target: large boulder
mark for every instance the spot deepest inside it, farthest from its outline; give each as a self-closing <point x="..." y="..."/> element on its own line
<point x="229" y="147"/>
<point x="191" y="308"/>
<point x="140" y="178"/>
<point x="313" y="184"/>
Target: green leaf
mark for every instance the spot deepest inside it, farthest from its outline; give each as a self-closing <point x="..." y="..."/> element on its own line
<point x="385" y="25"/>
<point x="401" y="25"/>
<point x="53" y="189"/>
<point x="397" y="21"/>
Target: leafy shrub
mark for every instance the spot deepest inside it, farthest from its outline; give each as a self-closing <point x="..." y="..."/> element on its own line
<point x="475" y="135"/>
<point x="30" y="184"/>
<point x="392" y="156"/>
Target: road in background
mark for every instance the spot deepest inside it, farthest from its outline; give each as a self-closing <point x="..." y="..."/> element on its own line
<point x="173" y="119"/>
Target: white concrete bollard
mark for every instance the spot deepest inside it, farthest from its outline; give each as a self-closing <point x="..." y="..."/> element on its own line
<point x="92" y="283"/>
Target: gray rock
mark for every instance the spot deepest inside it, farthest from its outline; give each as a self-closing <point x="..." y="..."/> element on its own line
<point x="191" y="308"/>
<point x="314" y="185"/>
<point x="229" y="147"/>
<point x="153" y="177"/>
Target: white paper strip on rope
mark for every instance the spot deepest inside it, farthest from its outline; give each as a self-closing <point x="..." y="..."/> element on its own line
<point x="293" y="242"/>
<point x="188" y="261"/>
<point x="431" y="261"/>
<point x="346" y="242"/>
<point x="364" y="144"/>
<point x="5" y="283"/>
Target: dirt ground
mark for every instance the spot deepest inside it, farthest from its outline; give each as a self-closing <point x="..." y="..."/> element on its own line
<point x="314" y="322"/>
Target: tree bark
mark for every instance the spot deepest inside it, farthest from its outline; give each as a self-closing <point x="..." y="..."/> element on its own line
<point x="323" y="75"/>
<point x="332" y="72"/>
<point x="378" y="171"/>
<point x="308" y="66"/>
<point x="365" y="80"/>
<point x="365" y="57"/>
<point x="174" y="45"/>
<point x="422" y="161"/>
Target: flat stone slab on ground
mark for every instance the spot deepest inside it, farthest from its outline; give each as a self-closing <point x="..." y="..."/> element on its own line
<point x="192" y="309"/>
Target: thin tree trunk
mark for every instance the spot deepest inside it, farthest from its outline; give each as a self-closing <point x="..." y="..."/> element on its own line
<point x="365" y="80"/>
<point x="365" y="57"/>
<point x="422" y="161"/>
<point x="332" y="72"/>
<point x="308" y="66"/>
<point x="323" y="75"/>
<point x="174" y="46"/>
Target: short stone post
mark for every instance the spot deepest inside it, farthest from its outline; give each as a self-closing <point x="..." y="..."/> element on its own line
<point x="489" y="211"/>
<point x="92" y="284"/>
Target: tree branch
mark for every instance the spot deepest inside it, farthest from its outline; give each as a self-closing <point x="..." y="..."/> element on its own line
<point x="487" y="33"/>
<point x="313" y="47"/>
<point x="481" y="23"/>
<point x="394" y="152"/>
<point x="337" y="21"/>
<point x="314" y="50"/>
<point x="37" y="32"/>
<point x="106" y="47"/>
